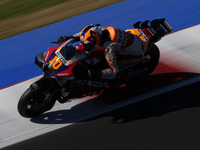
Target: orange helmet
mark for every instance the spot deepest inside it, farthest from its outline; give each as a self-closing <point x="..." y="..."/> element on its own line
<point x="90" y="37"/>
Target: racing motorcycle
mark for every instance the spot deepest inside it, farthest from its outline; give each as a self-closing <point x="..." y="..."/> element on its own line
<point x="66" y="70"/>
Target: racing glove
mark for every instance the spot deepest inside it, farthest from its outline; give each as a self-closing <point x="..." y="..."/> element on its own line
<point x="63" y="38"/>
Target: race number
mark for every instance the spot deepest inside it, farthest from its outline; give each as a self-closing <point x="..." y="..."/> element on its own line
<point x="56" y="63"/>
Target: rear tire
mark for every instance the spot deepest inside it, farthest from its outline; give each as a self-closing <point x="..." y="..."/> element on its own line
<point x="32" y="103"/>
<point x="150" y="66"/>
<point x="154" y="54"/>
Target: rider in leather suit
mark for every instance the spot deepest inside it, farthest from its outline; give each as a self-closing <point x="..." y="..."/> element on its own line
<point x="113" y="41"/>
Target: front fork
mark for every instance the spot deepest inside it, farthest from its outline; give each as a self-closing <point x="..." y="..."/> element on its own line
<point x="45" y="86"/>
<point x="42" y="84"/>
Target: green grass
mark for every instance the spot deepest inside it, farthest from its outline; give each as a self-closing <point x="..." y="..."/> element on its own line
<point x="13" y="8"/>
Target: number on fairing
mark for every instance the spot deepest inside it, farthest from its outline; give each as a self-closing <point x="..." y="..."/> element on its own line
<point x="56" y="63"/>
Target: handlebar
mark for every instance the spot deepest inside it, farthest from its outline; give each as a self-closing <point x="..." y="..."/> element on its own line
<point x="66" y="42"/>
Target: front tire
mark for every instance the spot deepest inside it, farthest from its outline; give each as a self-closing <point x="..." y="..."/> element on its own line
<point x="32" y="103"/>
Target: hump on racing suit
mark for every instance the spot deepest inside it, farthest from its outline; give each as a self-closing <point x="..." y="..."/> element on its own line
<point x="121" y="43"/>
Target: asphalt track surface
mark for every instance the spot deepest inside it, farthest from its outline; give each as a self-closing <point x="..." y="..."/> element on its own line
<point x="168" y="121"/>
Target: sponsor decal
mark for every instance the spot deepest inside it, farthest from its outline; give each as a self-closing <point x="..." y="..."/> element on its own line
<point x="120" y="36"/>
<point x="91" y="83"/>
<point x="130" y="61"/>
<point x="61" y="57"/>
<point x="125" y="39"/>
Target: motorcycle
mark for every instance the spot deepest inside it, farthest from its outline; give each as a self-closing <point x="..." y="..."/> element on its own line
<point x="65" y="70"/>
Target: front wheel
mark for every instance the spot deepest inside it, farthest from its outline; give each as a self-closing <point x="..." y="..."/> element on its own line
<point x="33" y="103"/>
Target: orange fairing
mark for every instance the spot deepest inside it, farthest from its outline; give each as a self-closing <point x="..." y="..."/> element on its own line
<point x="113" y="33"/>
<point x="136" y="32"/>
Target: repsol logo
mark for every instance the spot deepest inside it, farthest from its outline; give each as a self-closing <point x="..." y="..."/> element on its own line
<point x="94" y="84"/>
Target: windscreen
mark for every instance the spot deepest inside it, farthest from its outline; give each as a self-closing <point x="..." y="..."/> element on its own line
<point x="68" y="52"/>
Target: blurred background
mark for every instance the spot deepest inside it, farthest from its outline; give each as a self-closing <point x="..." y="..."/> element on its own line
<point x="18" y="16"/>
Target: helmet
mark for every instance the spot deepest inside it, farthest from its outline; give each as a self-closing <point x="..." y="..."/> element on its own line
<point x="90" y="37"/>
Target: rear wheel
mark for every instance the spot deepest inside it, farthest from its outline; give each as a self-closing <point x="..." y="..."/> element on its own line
<point x="154" y="54"/>
<point x="33" y="103"/>
<point x="143" y="70"/>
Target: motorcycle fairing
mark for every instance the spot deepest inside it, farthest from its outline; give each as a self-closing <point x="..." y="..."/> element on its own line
<point x="49" y="54"/>
<point x="88" y="84"/>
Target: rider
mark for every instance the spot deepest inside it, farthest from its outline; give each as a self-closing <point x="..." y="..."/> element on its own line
<point x="113" y="41"/>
